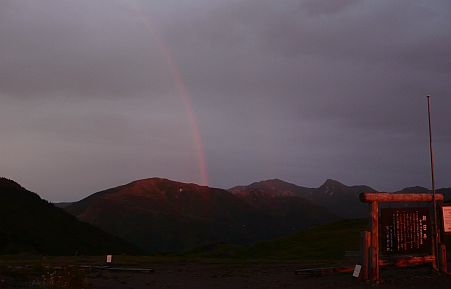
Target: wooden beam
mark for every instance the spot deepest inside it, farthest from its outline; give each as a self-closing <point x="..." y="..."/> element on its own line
<point x="390" y="197"/>
<point x="407" y="261"/>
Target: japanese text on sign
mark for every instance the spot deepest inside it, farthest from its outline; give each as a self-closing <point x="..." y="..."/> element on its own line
<point x="405" y="230"/>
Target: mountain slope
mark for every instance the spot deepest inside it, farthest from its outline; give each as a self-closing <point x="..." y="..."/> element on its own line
<point x="342" y="199"/>
<point x="338" y="198"/>
<point x="29" y="224"/>
<point x="284" y="200"/>
<point x="273" y="188"/>
<point x="162" y="215"/>
<point x="446" y="194"/>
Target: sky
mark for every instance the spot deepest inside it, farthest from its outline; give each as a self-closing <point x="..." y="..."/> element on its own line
<point x="98" y="93"/>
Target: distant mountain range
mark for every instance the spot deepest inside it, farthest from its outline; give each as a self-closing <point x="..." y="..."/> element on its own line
<point x="160" y="215"/>
<point x="31" y="225"/>
<point x="334" y="196"/>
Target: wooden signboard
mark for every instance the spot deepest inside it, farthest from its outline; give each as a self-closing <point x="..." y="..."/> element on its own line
<point x="405" y="231"/>
<point x="446" y="213"/>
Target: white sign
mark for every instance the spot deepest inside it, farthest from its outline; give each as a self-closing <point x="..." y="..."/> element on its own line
<point x="109" y="259"/>
<point x="446" y="210"/>
<point x="357" y="270"/>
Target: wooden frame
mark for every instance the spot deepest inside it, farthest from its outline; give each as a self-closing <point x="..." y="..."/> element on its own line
<point x="370" y="240"/>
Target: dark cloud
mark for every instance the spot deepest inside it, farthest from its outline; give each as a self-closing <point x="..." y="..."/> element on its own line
<point x="90" y="48"/>
<point x="300" y="90"/>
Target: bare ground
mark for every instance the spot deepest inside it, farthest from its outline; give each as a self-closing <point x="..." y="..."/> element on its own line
<point x="187" y="275"/>
<point x="203" y="276"/>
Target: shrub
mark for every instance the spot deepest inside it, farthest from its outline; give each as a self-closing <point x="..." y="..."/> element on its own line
<point x="66" y="278"/>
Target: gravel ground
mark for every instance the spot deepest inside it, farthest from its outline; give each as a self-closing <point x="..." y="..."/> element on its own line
<point x="220" y="276"/>
<point x="250" y="276"/>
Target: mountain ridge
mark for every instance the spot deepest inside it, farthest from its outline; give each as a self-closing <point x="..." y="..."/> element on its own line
<point x="332" y="195"/>
<point x="160" y="214"/>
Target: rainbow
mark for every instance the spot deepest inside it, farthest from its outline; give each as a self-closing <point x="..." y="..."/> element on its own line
<point x="181" y="88"/>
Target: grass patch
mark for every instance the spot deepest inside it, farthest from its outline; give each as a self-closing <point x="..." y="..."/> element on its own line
<point x="325" y="242"/>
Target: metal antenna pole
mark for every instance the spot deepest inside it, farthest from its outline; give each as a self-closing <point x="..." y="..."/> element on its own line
<point x="431" y="152"/>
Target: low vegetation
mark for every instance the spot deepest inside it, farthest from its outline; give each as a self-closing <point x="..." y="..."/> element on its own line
<point x="37" y="275"/>
<point x="325" y="242"/>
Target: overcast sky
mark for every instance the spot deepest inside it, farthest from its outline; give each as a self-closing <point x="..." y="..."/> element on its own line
<point x="298" y="90"/>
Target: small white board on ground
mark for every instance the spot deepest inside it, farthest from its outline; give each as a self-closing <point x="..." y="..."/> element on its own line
<point x="357" y="270"/>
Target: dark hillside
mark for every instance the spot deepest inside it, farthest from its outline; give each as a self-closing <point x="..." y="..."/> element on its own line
<point x="29" y="224"/>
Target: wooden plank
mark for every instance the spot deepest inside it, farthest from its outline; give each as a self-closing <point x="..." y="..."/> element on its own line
<point x="374" y="270"/>
<point x="312" y="272"/>
<point x="407" y="261"/>
<point x="126" y="269"/>
<point x="389" y="197"/>
<point x="122" y="269"/>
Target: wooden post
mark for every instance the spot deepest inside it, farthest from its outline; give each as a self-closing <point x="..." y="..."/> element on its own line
<point x="435" y="264"/>
<point x="443" y="260"/>
<point x="365" y="249"/>
<point x="374" y="273"/>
